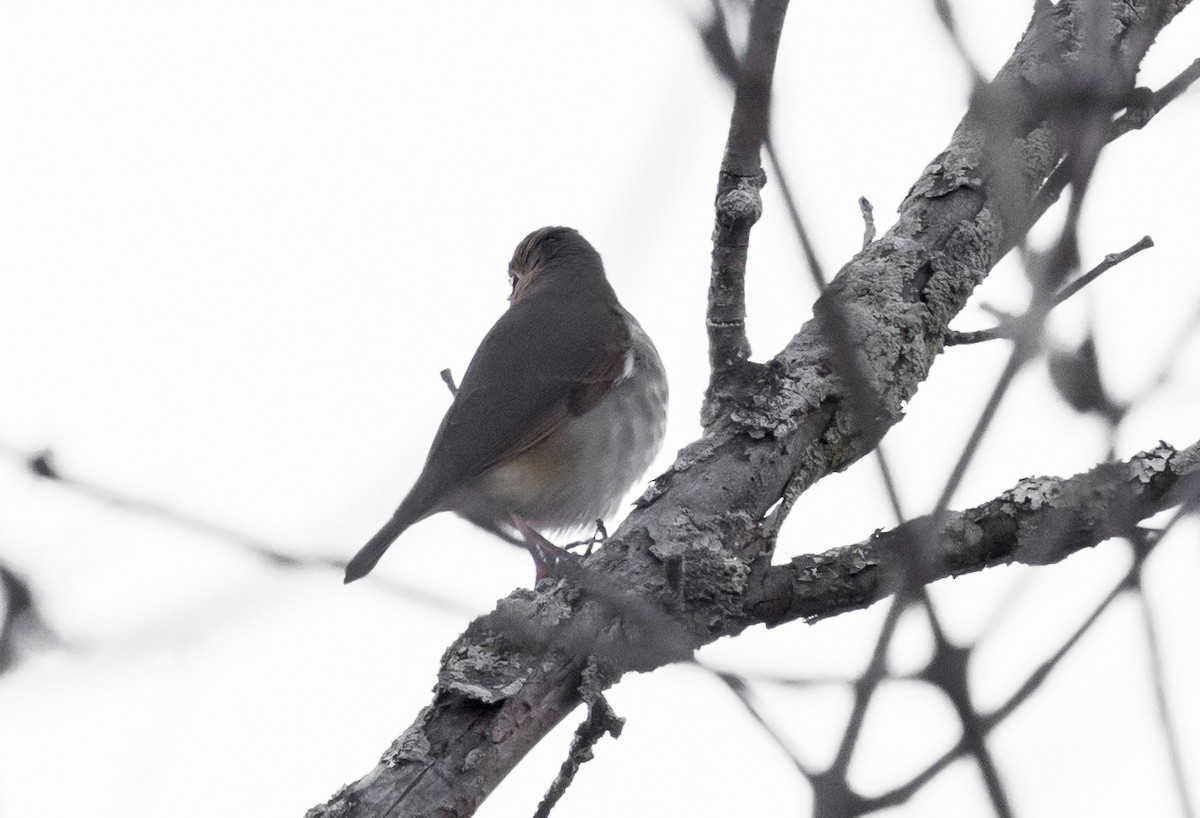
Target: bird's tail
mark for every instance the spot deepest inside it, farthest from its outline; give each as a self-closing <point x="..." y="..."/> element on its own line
<point x="370" y="553"/>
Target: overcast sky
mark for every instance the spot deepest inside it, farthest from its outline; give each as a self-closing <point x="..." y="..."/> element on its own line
<point x="238" y="241"/>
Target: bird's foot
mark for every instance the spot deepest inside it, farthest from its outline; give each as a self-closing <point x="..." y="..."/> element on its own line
<point x="591" y="542"/>
<point x="547" y="557"/>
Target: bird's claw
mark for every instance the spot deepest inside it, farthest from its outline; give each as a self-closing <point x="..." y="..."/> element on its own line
<point x="600" y="536"/>
<point x="547" y="557"/>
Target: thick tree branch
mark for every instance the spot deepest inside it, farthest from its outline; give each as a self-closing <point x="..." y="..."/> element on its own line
<point x="692" y="564"/>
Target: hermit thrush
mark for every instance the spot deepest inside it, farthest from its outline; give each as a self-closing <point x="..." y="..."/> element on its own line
<point x="558" y="414"/>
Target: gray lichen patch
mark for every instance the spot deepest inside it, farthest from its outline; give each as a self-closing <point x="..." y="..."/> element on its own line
<point x="472" y="759"/>
<point x="412" y="745"/>
<point x="1034" y="492"/>
<point x="1148" y="465"/>
<point x="486" y="663"/>
<point x="801" y="386"/>
<point x="957" y="270"/>
<point x="481" y="672"/>
<point x="950" y="171"/>
<point x="690" y="532"/>
<point x="547" y="609"/>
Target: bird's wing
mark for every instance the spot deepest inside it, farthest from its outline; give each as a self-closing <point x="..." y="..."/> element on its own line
<point x="527" y="379"/>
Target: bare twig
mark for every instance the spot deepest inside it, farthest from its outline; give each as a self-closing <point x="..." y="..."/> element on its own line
<point x="946" y="14"/>
<point x="1145" y="109"/>
<point x="738" y="201"/>
<point x="600" y="720"/>
<point x="42" y="464"/>
<point x="448" y="379"/>
<point x="831" y="790"/>
<point x="738" y="686"/>
<point x="948" y="671"/>
<point x="1165" y="722"/>
<point x="1111" y="260"/>
<point x="868" y="215"/>
<point x="719" y="45"/>
<point x="804" y="682"/>
<point x="978" y="336"/>
<point x="1174" y="352"/>
<point x="789" y="203"/>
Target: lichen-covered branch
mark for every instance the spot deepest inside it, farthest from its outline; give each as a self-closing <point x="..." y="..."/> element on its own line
<point x="1039" y="521"/>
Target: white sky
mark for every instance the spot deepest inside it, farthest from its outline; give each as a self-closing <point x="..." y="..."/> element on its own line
<point x="238" y="241"/>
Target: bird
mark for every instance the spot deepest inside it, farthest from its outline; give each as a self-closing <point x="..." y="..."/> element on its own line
<point x="560" y="411"/>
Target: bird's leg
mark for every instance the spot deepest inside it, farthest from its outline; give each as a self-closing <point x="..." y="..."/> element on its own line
<point x="546" y="555"/>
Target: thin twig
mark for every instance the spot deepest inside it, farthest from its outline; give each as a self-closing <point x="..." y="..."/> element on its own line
<point x="1016" y="359"/>
<point x="955" y="338"/>
<point x="1111" y="260"/>
<point x="1166" y="723"/>
<point x="806" y="682"/>
<point x="1007" y="604"/>
<point x="42" y="464"/>
<point x="738" y="201"/>
<point x="820" y="281"/>
<point x="737" y="685"/>
<point x="1138" y="116"/>
<point x="868" y="215"/>
<point x="1175" y="351"/>
<point x="948" y="671"/>
<point x="874" y="673"/>
<point x="600" y="720"/>
<point x="946" y="14"/>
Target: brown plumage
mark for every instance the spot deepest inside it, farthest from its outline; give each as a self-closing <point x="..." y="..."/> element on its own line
<point x="560" y="411"/>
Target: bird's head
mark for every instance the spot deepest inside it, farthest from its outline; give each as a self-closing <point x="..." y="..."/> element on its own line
<point x="554" y="257"/>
